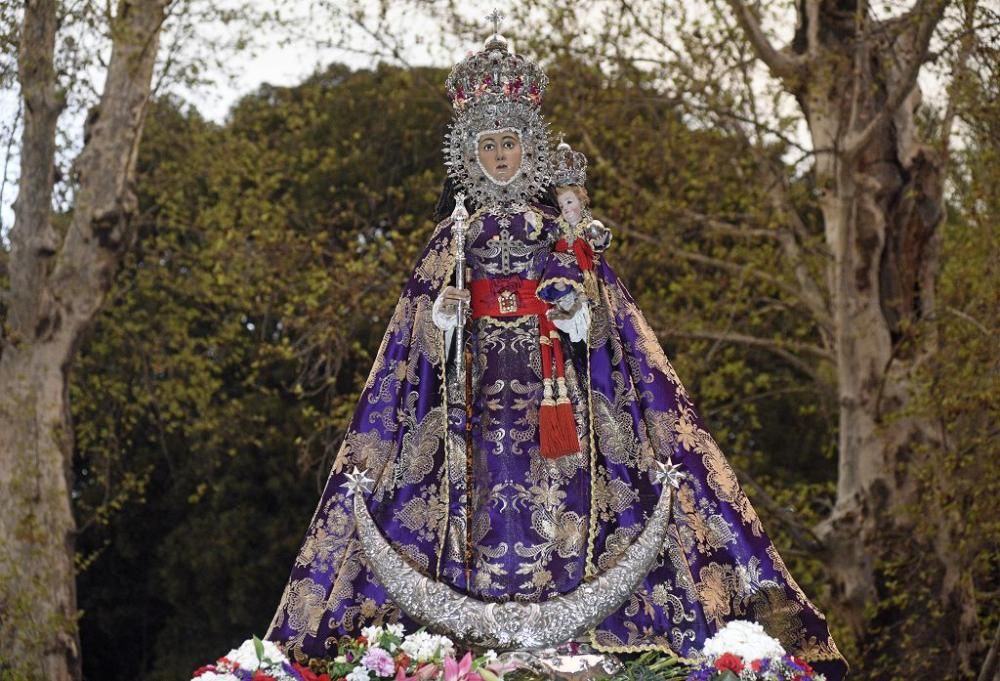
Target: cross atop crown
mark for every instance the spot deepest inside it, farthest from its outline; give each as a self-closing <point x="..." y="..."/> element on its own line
<point x="496" y="16"/>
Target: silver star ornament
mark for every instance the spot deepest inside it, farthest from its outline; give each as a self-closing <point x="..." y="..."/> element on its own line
<point x="669" y="473"/>
<point x="358" y="482"/>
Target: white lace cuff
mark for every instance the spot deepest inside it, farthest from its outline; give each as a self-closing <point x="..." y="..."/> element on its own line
<point x="577" y="325"/>
<point x="444" y="321"/>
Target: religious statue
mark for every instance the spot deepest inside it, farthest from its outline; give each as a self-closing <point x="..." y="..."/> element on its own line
<point x="522" y="439"/>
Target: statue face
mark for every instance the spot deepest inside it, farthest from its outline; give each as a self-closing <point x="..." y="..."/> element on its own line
<point x="500" y="154"/>
<point x="569" y="203"/>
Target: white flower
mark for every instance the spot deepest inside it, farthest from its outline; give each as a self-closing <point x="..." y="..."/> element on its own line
<point x="395" y="630"/>
<point x="415" y="645"/>
<point x="213" y="676"/>
<point x="491" y="656"/>
<point x="746" y="639"/>
<point x="423" y="647"/>
<point x="246" y="655"/>
<point x="445" y="648"/>
<point x="359" y="673"/>
<point x="372" y="634"/>
<point x="273" y="654"/>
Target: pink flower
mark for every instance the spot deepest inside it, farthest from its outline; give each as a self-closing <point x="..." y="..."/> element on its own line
<point x="428" y="671"/>
<point x="424" y="673"/>
<point x="379" y="661"/>
<point x="456" y="671"/>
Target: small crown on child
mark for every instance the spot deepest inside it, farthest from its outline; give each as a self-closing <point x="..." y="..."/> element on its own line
<point x="568" y="166"/>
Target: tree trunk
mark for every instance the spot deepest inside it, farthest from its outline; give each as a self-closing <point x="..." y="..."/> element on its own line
<point x="881" y="203"/>
<point x="881" y="196"/>
<point x="57" y="285"/>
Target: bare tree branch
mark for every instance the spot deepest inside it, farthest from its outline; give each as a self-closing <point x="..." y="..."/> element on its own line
<point x="9" y="152"/>
<point x="780" y="348"/>
<point x="967" y="43"/>
<point x="101" y="225"/>
<point x="989" y="670"/>
<point x="745" y="339"/>
<point x="810" y="292"/>
<point x="783" y="66"/>
<point x="803" y="535"/>
<point x="922" y="20"/>
<point x="969" y="318"/>
<point x="729" y="229"/>
<point x="33" y="239"/>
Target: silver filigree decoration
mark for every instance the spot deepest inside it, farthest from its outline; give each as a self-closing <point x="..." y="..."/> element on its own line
<point x="358" y="483"/>
<point x="569" y="167"/>
<point x="512" y="625"/>
<point x="668" y="473"/>
<point x="493" y="90"/>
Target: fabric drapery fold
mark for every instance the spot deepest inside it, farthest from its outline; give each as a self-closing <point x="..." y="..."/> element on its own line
<point x="499" y="520"/>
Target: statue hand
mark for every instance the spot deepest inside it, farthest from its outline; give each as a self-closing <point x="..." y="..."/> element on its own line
<point x="450" y="298"/>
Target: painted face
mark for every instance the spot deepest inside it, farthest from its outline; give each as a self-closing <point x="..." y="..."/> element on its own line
<point x="569" y="203"/>
<point x="500" y="154"/>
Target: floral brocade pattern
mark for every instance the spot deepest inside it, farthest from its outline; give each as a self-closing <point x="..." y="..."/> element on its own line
<point x="481" y="510"/>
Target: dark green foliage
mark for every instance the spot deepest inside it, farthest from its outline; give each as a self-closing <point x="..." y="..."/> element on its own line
<point x="211" y="397"/>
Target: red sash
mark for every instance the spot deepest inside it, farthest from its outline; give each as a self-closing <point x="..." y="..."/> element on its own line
<point x="515" y="297"/>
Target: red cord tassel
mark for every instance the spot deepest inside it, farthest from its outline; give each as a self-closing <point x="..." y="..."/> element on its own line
<point x="556" y="421"/>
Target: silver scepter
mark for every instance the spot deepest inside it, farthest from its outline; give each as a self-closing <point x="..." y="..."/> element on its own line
<point x="459" y="217"/>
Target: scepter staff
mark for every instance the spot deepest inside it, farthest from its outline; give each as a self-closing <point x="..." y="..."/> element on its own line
<point x="459" y="218"/>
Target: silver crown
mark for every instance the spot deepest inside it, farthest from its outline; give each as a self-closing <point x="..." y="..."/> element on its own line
<point x="568" y="166"/>
<point x="494" y="90"/>
<point x="496" y="74"/>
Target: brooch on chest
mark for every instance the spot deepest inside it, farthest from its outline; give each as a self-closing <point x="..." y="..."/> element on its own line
<point x="507" y="302"/>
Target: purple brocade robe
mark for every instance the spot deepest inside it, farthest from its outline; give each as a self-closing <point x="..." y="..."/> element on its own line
<point x="494" y="519"/>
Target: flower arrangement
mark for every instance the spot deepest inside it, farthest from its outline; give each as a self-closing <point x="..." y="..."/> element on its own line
<point x="743" y="651"/>
<point x="379" y="653"/>
<point x="255" y="660"/>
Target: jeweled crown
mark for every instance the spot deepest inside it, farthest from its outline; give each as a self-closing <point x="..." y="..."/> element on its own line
<point x="568" y="166"/>
<point x="492" y="90"/>
<point x="496" y="74"/>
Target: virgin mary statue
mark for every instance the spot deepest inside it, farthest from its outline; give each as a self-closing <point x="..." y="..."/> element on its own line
<point x="513" y="451"/>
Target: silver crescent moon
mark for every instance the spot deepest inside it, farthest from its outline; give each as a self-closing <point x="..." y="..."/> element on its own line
<point x="514" y="624"/>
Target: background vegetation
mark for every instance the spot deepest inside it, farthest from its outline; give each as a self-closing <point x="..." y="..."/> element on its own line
<point x="212" y="389"/>
<point x="219" y="378"/>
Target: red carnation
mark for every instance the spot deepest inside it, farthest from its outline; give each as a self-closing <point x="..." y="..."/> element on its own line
<point x="756" y="665"/>
<point x="805" y="665"/>
<point x="403" y="661"/>
<point x="728" y="661"/>
<point x="203" y="670"/>
<point x="308" y="674"/>
<point x="261" y="676"/>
